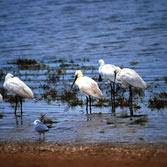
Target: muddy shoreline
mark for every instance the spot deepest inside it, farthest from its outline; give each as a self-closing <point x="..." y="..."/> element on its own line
<point x="99" y="154"/>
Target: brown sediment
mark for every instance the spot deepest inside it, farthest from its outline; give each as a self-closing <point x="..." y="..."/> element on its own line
<point x="104" y="154"/>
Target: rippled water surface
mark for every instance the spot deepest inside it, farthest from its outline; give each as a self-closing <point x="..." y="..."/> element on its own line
<point x="66" y="35"/>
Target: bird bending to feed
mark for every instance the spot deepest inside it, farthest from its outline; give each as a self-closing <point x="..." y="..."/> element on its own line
<point x="18" y="88"/>
<point x="40" y="128"/>
<point x="88" y="87"/>
<point x="1" y="98"/>
<point x="129" y="78"/>
<point x="107" y="71"/>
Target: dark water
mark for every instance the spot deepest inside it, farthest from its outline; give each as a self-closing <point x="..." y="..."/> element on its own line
<point x="83" y="31"/>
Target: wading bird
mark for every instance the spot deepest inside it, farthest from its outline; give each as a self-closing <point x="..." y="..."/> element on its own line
<point x="88" y="87"/>
<point x="40" y="128"/>
<point x="107" y="71"/>
<point x="129" y="78"/>
<point x="18" y="88"/>
<point x="1" y="98"/>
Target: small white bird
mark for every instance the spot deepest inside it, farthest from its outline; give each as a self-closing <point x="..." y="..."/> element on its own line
<point x="107" y="71"/>
<point x="18" y="88"/>
<point x="129" y="78"/>
<point x="1" y="98"/>
<point x="88" y="87"/>
<point x="40" y="128"/>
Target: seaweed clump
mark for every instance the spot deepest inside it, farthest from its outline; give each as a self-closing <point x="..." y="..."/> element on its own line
<point x="29" y="64"/>
<point x="71" y="98"/>
<point x="158" y="101"/>
<point x="165" y="79"/>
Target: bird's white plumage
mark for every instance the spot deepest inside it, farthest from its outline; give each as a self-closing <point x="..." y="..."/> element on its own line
<point x="88" y="86"/>
<point x="107" y="70"/>
<point x="40" y="127"/>
<point x="129" y="77"/>
<point x="1" y="98"/>
<point x="17" y="87"/>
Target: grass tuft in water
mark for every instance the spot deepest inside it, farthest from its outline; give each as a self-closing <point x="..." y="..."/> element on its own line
<point x="133" y="63"/>
<point x="1" y="116"/>
<point x="165" y="79"/>
<point x="158" y="101"/>
<point x="45" y="120"/>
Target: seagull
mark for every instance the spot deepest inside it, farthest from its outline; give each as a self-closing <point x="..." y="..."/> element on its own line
<point x="88" y="87"/>
<point x="107" y="71"/>
<point x="1" y="98"/>
<point x="18" y="88"/>
<point x="40" y="128"/>
<point x="129" y="78"/>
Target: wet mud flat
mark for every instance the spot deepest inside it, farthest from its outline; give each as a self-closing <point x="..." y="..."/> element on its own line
<point x="103" y="154"/>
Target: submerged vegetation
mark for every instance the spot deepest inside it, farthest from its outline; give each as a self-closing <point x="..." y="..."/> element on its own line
<point x="165" y="79"/>
<point x="1" y="116"/>
<point x="158" y="101"/>
<point x="53" y="83"/>
<point x="133" y="63"/>
<point x="46" y="120"/>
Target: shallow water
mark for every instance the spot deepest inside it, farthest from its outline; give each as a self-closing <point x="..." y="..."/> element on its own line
<point x="82" y="32"/>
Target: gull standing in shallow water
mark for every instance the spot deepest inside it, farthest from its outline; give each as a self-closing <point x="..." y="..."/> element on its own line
<point x="88" y="87"/>
<point x="18" y="88"/>
<point x="40" y="128"/>
<point x="107" y="71"/>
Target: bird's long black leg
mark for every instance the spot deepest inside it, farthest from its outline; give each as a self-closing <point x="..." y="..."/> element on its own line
<point x="130" y="94"/>
<point x="16" y="104"/>
<point x="114" y="92"/>
<point x="111" y="91"/>
<point x="21" y="104"/>
<point x="130" y="101"/>
<point x="90" y="104"/>
<point x="87" y="104"/>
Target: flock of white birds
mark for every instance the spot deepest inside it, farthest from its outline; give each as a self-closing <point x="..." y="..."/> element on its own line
<point x="128" y="78"/>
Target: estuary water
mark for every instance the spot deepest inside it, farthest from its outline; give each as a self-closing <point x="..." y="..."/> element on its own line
<point x="63" y="36"/>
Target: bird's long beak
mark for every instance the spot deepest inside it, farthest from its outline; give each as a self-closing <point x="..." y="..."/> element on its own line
<point x="74" y="81"/>
<point x="100" y="78"/>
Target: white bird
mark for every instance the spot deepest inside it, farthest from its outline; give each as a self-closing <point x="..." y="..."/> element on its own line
<point x="107" y="71"/>
<point x="18" y="88"/>
<point x="130" y="78"/>
<point x="40" y="128"/>
<point x="1" y="98"/>
<point x="88" y="87"/>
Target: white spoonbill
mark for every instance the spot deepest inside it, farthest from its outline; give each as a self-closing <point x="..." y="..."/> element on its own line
<point x="1" y="98"/>
<point x="40" y="128"/>
<point x="18" y="88"/>
<point x="88" y="87"/>
<point x="107" y="71"/>
<point x="130" y="78"/>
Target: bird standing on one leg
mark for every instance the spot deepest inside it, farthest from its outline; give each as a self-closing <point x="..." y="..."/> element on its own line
<point x="130" y="78"/>
<point x="18" y="88"/>
<point x="88" y="87"/>
<point x="107" y="71"/>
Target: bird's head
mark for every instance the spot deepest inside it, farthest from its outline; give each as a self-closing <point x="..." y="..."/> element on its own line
<point x="78" y="74"/>
<point x="8" y="76"/>
<point x="117" y="74"/>
<point x="101" y="62"/>
<point x="37" y="122"/>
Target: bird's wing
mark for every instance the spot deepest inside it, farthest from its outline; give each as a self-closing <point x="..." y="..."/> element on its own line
<point x="132" y="78"/>
<point x="107" y="71"/>
<point x="16" y="86"/>
<point x="90" y="87"/>
<point x="41" y="128"/>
